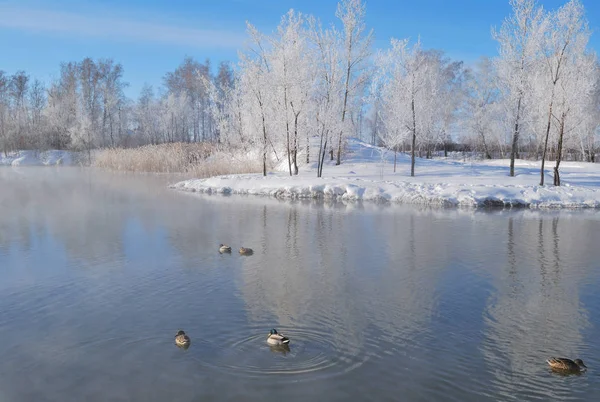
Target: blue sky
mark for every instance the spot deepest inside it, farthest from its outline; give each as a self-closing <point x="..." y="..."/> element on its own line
<point x="151" y="37"/>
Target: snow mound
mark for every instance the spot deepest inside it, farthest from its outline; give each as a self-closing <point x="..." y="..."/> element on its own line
<point x="399" y="192"/>
<point x="367" y="174"/>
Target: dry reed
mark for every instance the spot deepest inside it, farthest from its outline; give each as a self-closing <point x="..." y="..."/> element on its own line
<point x="194" y="159"/>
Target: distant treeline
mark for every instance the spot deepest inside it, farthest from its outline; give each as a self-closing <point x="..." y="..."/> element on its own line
<point x="539" y="98"/>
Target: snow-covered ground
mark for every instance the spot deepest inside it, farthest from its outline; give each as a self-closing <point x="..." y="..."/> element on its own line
<point x="37" y="158"/>
<point x="366" y="174"/>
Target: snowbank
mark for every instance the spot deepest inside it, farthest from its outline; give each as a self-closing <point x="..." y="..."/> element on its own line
<point x="367" y="175"/>
<point x="37" y="158"/>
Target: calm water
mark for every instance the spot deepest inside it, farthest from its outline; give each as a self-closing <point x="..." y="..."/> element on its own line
<point x="98" y="271"/>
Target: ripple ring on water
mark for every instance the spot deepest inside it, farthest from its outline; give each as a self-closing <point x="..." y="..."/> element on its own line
<point x="311" y="354"/>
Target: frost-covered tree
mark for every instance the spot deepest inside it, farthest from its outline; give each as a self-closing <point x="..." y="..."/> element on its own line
<point x="18" y="89"/>
<point x="356" y="49"/>
<point x="564" y="41"/>
<point x="442" y="94"/>
<point x="114" y="103"/>
<point x="403" y="75"/>
<point x="325" y="105"/>
<point x="258" y="92"/>
<point x="63" y="110"/>
<point x="587" y="132"/>
<point x="4" y="111"/>
<point x="518" y="40"/>
<point x="189" y="79"/>
<point x="292" y="81"/>
<point x="37" y="103"/>
<point x="89" y="77"/>
<point x="389" y="93"/>
<point x="481" y="111"/>
<point x="146" y="116"/>
<point x="217" y="93"/>
<point x="574" y="95"/>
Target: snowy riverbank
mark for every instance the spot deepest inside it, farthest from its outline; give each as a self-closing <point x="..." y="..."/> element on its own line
<point x="38" y="158"/>
<point x="366" y="174"/>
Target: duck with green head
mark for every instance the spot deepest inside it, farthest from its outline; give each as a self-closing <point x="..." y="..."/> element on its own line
<point x="277" y="339"/>
<point x="564" y="364"/>
<point x="182" y="340"/>
<point x="223" y="248"/>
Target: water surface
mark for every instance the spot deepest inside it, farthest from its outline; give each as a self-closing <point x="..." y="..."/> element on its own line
<point x="382" y="303"/>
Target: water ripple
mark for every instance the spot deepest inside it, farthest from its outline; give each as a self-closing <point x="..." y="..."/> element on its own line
<point x="311" y="355"/>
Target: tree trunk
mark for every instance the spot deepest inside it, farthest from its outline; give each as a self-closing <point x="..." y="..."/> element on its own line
<point x="287" y="126"/>
<point x="295" y="161"/>
<point x="339" y="151"/>
<point x="289" y="153"/>
<point x="546" y="139"/>
<point x="264" y="127"/>
<point x="307" y="148"/>
<point x="485" y="147"/>
<point x="321" y="150"/>
<point x="112" y="136"/>
<point x="515" y="140"/>
<point x="320" y="174"/>
<point x="295" y="147"/>
<point x="414" y="139"/>
<point x="559" y="150"/>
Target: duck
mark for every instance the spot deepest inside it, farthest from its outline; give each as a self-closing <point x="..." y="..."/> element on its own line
<point x="246" y="251"/>
<point x="223" y="248"/>
<point x="182" y="340"/>
<point x="277" y="339"/>
<point x="564" y="364"/>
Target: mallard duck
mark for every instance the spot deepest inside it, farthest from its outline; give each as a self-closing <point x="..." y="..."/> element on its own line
<point x="246" y="251"/>
<point x="181" y="339"/>
<point x="561" y="363"/>
<point x="277" y="339"/>
<point x="224" y="248"/>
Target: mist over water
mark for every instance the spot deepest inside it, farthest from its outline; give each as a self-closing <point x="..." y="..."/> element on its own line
<point x="98" y="271"/>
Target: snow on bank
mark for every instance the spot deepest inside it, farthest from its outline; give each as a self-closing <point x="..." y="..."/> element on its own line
<point x="367" y="175"/>
<point x="37" y="158"/>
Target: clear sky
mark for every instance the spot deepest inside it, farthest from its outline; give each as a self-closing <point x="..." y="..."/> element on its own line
<point x="151" y="37"/>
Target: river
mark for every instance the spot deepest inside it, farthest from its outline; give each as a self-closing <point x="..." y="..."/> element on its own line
<point x="99" y="270"/>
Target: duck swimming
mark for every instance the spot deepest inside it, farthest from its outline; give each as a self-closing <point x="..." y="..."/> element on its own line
<point x="561" y="363"/>
<point x="224" y="248"/>
<point x="182" y="340"/>
<point x="277" y="339"/>
<point x="246" y="251"/>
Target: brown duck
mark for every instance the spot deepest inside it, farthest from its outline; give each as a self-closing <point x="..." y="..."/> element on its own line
<point x="246" y="251"/>
<point x="182" y="340"/>
<point x="563" y="364"/>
